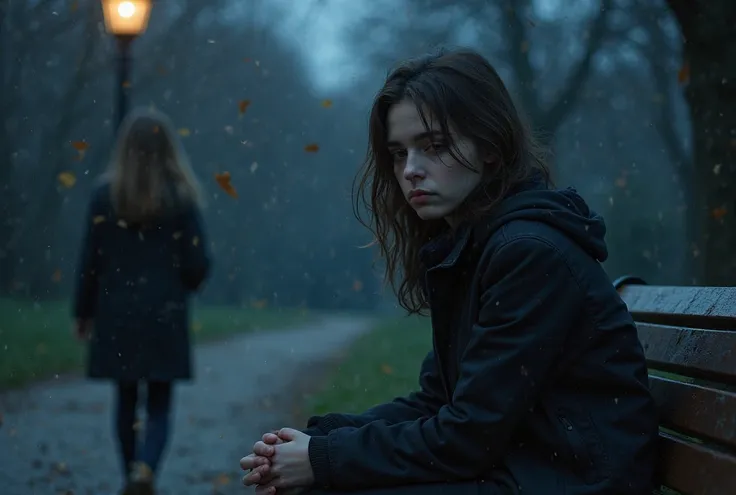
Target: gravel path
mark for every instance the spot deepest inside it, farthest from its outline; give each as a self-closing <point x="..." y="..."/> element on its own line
<point x="56" y="438"/>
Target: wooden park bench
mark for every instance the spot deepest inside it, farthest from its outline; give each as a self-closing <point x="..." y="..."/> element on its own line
<point x="689" y="337"/>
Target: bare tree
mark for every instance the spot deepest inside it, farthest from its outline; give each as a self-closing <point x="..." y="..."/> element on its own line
<point x="550" y="117"/>
<point x="709" y="37"/>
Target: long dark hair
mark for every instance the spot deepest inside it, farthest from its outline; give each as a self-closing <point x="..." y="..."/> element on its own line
<point x="458" y="88"/>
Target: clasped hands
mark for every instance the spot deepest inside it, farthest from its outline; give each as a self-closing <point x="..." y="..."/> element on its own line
<point x="280" y="460"/>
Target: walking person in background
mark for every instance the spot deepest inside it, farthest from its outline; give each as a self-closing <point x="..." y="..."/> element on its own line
<point x="143" y="254"/>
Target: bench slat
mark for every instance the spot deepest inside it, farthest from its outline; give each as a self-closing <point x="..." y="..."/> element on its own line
<point x="691" y="352"/>
<point x="697" y="307"/>
<point x="695" y="410"/>
<point x="696" y="469"/>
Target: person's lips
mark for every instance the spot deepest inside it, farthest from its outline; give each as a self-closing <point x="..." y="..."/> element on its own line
<point x="419" y="196"/>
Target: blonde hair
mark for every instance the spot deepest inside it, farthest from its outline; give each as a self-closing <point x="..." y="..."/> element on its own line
<point x="149" y="173"/>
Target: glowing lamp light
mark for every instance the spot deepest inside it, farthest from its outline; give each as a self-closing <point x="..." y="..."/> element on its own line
<point x="126" y="17"/>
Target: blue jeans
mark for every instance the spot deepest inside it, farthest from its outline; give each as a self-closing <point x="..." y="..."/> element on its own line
<point x="158" y="409"/>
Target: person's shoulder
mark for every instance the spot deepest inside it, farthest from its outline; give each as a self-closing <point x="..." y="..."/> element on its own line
<point x="525" y="235"/>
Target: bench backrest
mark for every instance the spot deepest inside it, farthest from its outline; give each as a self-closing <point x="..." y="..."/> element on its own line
<point x="689" y="337"/>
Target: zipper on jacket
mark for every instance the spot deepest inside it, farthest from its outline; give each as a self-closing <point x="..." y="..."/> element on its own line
<point x="579" y="449"/>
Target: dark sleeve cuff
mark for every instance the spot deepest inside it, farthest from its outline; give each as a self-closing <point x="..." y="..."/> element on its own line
<point x="313" y="431"/>
<point x="319" y="458"/>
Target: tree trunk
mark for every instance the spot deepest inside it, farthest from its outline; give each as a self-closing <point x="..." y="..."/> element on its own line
<point x="709" y="29"/>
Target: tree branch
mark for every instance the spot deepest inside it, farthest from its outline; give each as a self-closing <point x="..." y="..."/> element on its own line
<point x="550" y="118"/>
<point x="555" y="114"/>
<point x="515" y="31"/>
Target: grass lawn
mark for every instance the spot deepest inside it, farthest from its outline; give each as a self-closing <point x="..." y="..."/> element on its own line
<point x="382" y="365"/>
<point x="36" y="340"/>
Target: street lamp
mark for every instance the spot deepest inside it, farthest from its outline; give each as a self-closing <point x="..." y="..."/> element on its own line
<point x="126" y="20"/>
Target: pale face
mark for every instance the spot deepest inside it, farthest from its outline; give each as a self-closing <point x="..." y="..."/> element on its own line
<point x="432" y="181"/>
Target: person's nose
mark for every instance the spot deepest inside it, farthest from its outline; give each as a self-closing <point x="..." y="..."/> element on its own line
<point x="413" y="168"/>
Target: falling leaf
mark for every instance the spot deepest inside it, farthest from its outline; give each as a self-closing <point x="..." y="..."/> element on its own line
<point x="717" y="169"/>
<point x="259" y="303"/>
<point x="74" y="6"/>
<point x="122" y="224"/>
<point x="56" y="277"/>
<point x="67" y="179"/>
<point x="98" y="219"/>
<point x="386" y="369"/>
<point x="253" y="167"/>
<point x="138" y="425"/>
<point x="243" y="106"/>
<point x="41" y="349"/>
<point x="61" y="468"/>
<point x="683" y="75"/>
<point x="184" y="132"/>
<point x="223" y="180"/>
<point x="327" y="103"/>
<point x="196" y="327"/>
<point x="161" y="70"/>
<point x="177" y="235"/>
<point x="357" y="285"/>
<point x="127" y="84"/>
<point x="524" y="47"/>
<point x="311" y="148"/>
<point x="80" y="145"/>
<point x="719" y="213"/>
<point x="195" y="241"/>
<point x="621" y="181"/>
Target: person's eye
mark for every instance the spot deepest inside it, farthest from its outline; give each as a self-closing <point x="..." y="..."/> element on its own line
<point x="436" y="147"/>
<point x="397" y="155"/>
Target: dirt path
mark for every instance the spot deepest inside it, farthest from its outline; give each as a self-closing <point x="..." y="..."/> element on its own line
<point x="57" y="438"/>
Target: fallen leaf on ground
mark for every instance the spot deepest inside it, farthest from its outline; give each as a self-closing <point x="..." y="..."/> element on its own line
<point x="243" y="106"/>
<point x="311" y="148"/>
<point x="327" y="103"/>
<point x="222" y="479"/>
<point x="80" y="145"/>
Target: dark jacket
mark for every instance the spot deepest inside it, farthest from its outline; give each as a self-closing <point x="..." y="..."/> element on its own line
<point x="536" y="368"/>
<point x="134" y="282"/>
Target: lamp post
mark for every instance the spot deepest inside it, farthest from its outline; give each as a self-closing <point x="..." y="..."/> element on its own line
<point x="126" y="20"/>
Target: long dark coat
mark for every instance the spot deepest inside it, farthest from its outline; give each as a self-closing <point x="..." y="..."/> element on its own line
<point x="134" y="282"/>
